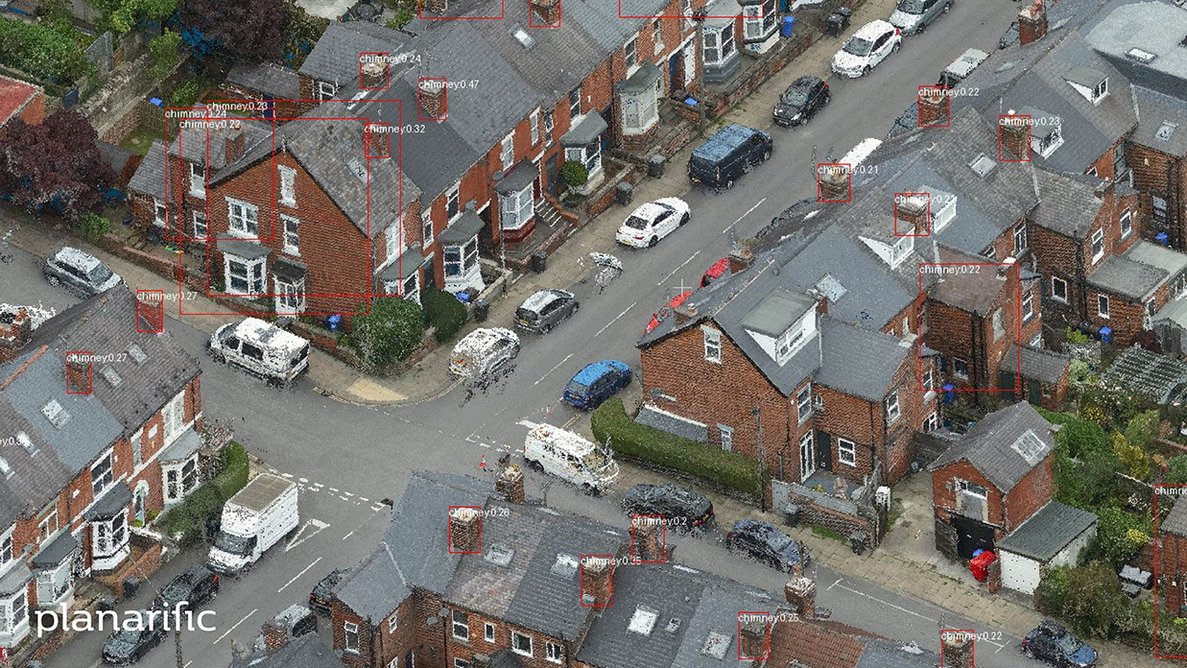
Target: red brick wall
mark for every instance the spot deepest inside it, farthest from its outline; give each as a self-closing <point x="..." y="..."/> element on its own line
<point x="1172" y="571"/>
<point x="943" y="490"/>
<point x="466" y="649"/>
<point x="378" y="645"/>
<point x="1157" y="172"/>
<point x="1031" y="493"/>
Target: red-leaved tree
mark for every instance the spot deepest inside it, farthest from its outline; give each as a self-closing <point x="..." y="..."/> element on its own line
<point x="252" y="31"/>
<point x="54" y="167"/>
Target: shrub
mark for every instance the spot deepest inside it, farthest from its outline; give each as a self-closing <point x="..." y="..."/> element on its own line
<point x="185" y="94"/>
<point x="574" y="173"/>
<point x="48" y="51"/>
<point x="92" y="227"/>
<point x="165" y="50"/>
<point x="1076" y="336"/>
<point x="611" y="424"/>
<point x="388" y="334"/>
<point x="1133" y="459"/>
<point x="1176" y="473"/>
<point x="1119" y="535"/>
<point x="1088" y="597"/>
<point x="189" y="517"/>
<point x="1142" y="429"/>
<point x="444" y="312"/>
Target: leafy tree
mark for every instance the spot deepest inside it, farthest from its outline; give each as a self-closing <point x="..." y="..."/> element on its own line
<point x="185" y="94"/>
<point x="444" y="312"/>
<point x="303" y="32"/>
<point x="1143" y="429"/>
<point x="92" y="226"/>
<point x="1089" y="597"/>
<point x="45" y="50"/>
<point x="54" y="167"/>
<point x="1176" y="473"/>
<point x="1120" y="535"/>
<point x="249" y="31"/>
<point x="1133" y="459"/>
<point x="388" y="334"/>
<point x="574" y="173"/>
<point x="165" y="52"/>
<point x="123" y="15"/>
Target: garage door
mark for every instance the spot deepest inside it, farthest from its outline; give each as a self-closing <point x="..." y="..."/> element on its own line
<point x="1019" y="573"/>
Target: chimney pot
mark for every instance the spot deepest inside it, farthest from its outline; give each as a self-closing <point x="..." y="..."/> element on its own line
<point x="957" y="649"/>
<point x="800" y="592"/>
<point x="374" y="74"/>
<point x="834" y="183"/>
<point x="432" y="99"/>
<point x="740" y="259"/>
<point x="465" y="530"/>
<point x="1032" y="23"/>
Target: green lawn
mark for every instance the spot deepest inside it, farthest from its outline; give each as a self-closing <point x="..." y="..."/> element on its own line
<point x="139" y="141"/>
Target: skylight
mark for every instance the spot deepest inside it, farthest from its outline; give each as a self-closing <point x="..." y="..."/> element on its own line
<point x="716" y="645"/>
<point x="831" y="288"/>
<point x="523" y="37"/>
<point x="54" y="412"/>
<point x="1030" y="447"/>
<point x="1140" y="55"/>
<point x="5" y="468"/>
<point x="137" y="354"/>
<point x="1166" y="130"/>
<point x="565" y="565"/>
<point x="643" y="621"/>
<point x="499" y="555"/>
<point x="358" y="169"/>
<point x="982" y="165"/>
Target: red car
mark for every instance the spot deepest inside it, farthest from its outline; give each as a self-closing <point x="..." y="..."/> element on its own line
<point x="657" y="317"/>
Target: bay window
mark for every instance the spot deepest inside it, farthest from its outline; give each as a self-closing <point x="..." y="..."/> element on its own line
<point x="180" y="478"/>
<point x="408" y="288"/>
<point x="589" y="155"/>
<point x="14" y="617"/>
<point x="460" y="260"/>
<point x="640" y="111"/>
<point x="243" y="276"/>
<point x="718" y="44"/>
<point x="109" y="540"/>
<point x="516" y="208"/>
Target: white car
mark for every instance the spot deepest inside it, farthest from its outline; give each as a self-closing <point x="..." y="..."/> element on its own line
<point x="866" y="48"/>
<point x="653" y="221"/>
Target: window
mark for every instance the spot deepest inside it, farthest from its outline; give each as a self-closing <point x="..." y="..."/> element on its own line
<point x="244" y="277"/>
<point x="393" y="241"/>
<point x="290" y="295"/>
<point x="488" y="631"/>
<point x="1101" y="89"/>
<point x="657" y="35"/>
<point x="803" y="402"/>
<point x="291" y="240"/>
<point x="101" y="476"/>
<point x="932" y="423"/>
<point x="158" y="211"/>
<point x="972" y="500"/>
<point x="452" y="208"/>
<point x="759" y="21"/>
<point x="1059" y="289"/>
<point x="6" y="548"/>
<point x="998" y="329"/>
<point x="960" y="368"/>
<point x="686" y="13"/>
<point x="326" y="90"/>
<point x="589" y="155"/>
<point x="575" y="103"/>
<point x="549" y="125"/>
<point x="14" y="611"/>
<point x="394" y="663"/>
<point x="1020" y="238"/>
<point x="554" y="652"/>
<point x="49" y="525"/>
<point x="460" y="260"/>
<point x="199" y="225"/>
<point x="521" y="644"/>
<point x="1158" y="206"/>
<point x="892" y="409"/>
<point x="243" y="218"/>
<point x="928" y="380"/>
<point x="197" y="180"/>
<point x="1028" y="307"/>
<point x="1098" y="245"/>
<point x="173" y="416"/>
<point x="629" y="52"/>
<point x="110" y="537"/>
<point x="1126" y="223"/>
<point x="718" y="44"/>
<point x="350" y="635"/>
<point x="712" y="345"/>
<point x="1102" y="305"/>
<point x="727" y="437"/>
<point x="507" y="152"/>
<point x="180" y="479"/>
<point x="461" y="663"/>
<point x="461" y="625"/>
<point x="640" y="111"/>
<point x="426" y="229"/>
<point x="516" y="209"/>
<point x="847" y="451"/>
<point x="534" y="122"/>
<point x="288" y="190"/>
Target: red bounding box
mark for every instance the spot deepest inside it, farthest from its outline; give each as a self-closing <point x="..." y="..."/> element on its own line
<point x="1161" y="490"/>
<point x="915" y="209"/>
<point x="544" y="13"/>
<point x="1007" y="125"/>
<point x="79" y="372"/>
<point x="440" y="5"/>
<point x="958" y="636"/>
<point x="432" y="99"/>
<point x="982" y="276"/>
<point x="926" y="96"/>
<point x="150" y="311"/>
<point x="625" y="6"/>
<point x="639" y="549"/>
<point x="749" y="620"/>
<point x="598" y="583"/>
<point x="449" y="530"/>
<point x="374" y="70"/>
<point x="834" y="182"/>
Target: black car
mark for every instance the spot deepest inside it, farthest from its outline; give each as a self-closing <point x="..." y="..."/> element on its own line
<point x="1052" y="643"/>
<point x="767" y="544"/>
<point x="130" y="643"/>
<point x="323" y="592"/>
<point x="800" y="102"/>
<point x="683" y="510"/>
<point x="196" y="585"/>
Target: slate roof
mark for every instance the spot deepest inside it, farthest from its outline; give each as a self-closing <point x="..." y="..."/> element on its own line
<point x="974" y="290"/>
<point x="988" y="446"/>
<point x="208" y="146"/>
<point x="1067" y="204"/>
<point x="1176" y="521"/>
<point x="1158" y="377"/>
<point x="312" y="650"/>
<point x="36" y="479"/>
<point x="859" y="362"/>
<point x="1048" y="531"/>
<point x="1122" y="276"/>
<point x="335" y="56"/>
<point x="1157" y="111"/>
<point x="149" y="177"/>
<point x="1046" y="366"/>
<point x="267" y="78"/>
<point x="1154" y="27"/>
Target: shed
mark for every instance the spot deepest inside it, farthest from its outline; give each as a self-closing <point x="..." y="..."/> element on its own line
<point x="1157" y="377"/>
<point x="1054" y="536"/>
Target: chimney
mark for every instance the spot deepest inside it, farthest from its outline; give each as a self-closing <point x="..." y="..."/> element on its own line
<point x="740" y="259"/>
<point x="821" y="301"/>
<point x="510" y="485"/>
<point x="236" y="145"/>
<point x="645" y="540"/>
<point x="78" y="375"/>
<point x="374" y="74"/>
<point x="16" y="330"/>
<point x="933" y="107"/>
<point x="753" y="637"/>
<point x="684" y="313"/>
<point x="1014" y="136"/>
<point x="436" y="6"/>
<point x="834" y="184"/>
<point x="800" y="592"/>
<point x="1032" y="23"/>
<point x="914" y="214"/>
<point x="481" y="661"/>
<point x="547" y="12"/>
<point x="957" y="649"/>
<point x="275" y="635"/>
<point x="465" y="530"/>
<point x="597" y="582"/>
<point x="431" y="99"/>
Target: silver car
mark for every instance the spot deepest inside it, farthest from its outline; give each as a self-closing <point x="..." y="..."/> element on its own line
<point x="912" y="16"/>
<point x="80" y="272"/>
<point x="545" y="309"/>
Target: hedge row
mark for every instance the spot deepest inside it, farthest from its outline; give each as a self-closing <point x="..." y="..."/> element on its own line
<point x="444" y="312"/>
<point x="189" y="517"/>
<point x="630" y="439"/>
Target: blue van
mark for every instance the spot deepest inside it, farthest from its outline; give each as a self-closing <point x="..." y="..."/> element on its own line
<point x="729" y="154"/>
<point x="596" y="383"/>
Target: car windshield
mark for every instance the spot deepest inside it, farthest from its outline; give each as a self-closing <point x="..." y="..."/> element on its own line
<point x="796" y="96"/>
<point x="911" y="6"/>
<point x="1068" y="643"/>
<point x="778" y="541"/>
<point x="175" y="591"/>
<point x="525" y="314"/>
<point x="702" y="164"/>
<point x="576" y="388"/>
<point x="636" y="223"/>
<point x="100" y="273"/>
<point x="858" y="46"/>
<point x="233" y="544"/>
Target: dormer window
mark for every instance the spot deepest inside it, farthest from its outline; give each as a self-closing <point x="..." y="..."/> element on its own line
<point x="901" y="249"/>
<point x="1045" y="143"/>
<point x="1101" y="90"/>
<point x="1089" y="82"/>
<point x="788" y="343"/>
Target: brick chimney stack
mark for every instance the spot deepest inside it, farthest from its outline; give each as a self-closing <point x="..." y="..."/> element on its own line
<point x="16" y="330"/>
<point x="597" y="581"/>
<point x="914" y="214"/>
<point x="645" y="539"/>
<point x="465" y="530"/>
<point x="431" y="98"/>
<point x="78" y="375"/>
<point x="754" y="637"/>
<point x="834" y="183"/>
<point x="275" y="635"/>
<point x="957" y="649"/>
<point x="800" y="592"/>
<point x="933" y="107"/>
<point x="1015" y="137"/>
<point x="436" y="6"/>
<point x="1032" y="23"/>
<point x="374" y="74"/>
<point x="510" y="484"/>
<point x="547" y="12"/>
<point x="236" y="145"/>
<point x="740" y="259"/>
<point x="684" y="313"/>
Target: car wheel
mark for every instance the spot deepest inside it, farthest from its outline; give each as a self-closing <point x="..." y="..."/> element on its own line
<point x="589" y="489"/>
<point x="54" y="280"/>
<point x="535" y="466"/>
<point x="766" y="155"/>
<point x="947" y="7"/>
<point x="895" y="48"/>
<point x="865" y="70"/>
<point x="576" y="307"/>
<point x="684" y="219"/>
<point x="546" y="329"/>
<point x="729" y="184"/>
<point x="653" y="241"/>
<point x="1028" y="652"/>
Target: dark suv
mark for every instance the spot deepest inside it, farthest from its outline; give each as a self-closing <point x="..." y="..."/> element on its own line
<point x="800" y="102"/>
<point x="684" y="510"/>
<point x="765" y="543"/>
<point x="1052" y="643"/>
<point x="196" y="585"/>
<point x="129" y="644"/>
<point x="545" y="309"/>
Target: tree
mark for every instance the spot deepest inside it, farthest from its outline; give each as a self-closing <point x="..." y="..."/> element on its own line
<point x="1176" y="473"/>
<point x="388" y="334"/>
<point x="165" y="51"/>
<point x="1119" y="535"/>
<point x="54" y="167"/>
<point x="1133" y="459"/>
<point x="92" y="226"/>
<point x="250" y="31"/>
<point x="1143" y="429"/>
<point x="303" y="32"/>
<point x="1089" y="597"/>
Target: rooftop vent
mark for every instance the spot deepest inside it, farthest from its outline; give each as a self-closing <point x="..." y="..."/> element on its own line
<point x="499" y="555"/>
<point x="565" y="565"/>
<point x="831" y="288"/>
<point x="982" y="164"/>
<point x="523" y="37"/>
<point x="54" y="412"/>
<point x="1140" y="55"/>
<point x="1030" y="447"/>
<point x="643" y="621"/>
<point x="716" y="645"/>
<point x="673" y="625"/>
<point x="137" y="354"/>
<point x="5" y="468"/>
<point x="110" y="376"/>
<point x="26" y="442"/>
<point x="1166" y="130"/>
<point x="354" y="100"/>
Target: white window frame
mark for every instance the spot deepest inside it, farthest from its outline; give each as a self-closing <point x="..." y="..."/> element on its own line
<point x="350" y="631"/>
<point x="292" y="238"/>
<point x="6" y="554"/>
<point x="1055" y="280"/>
<point x="645" y="113"/>
<point x="589" y="155"/>
<point x="893" y="410"/>
<point x="200" y="223"/>
<point x="803" y="402"/>
<point x="507" y="151"/>
<point x="426" y="228"/>
<point x="516" y="209"/>
<point x="48" y="526"/>
<point x="467" y="258"/>
<point x="657" y="35"/>
<point x="1028" y="307"/>
<point x="534" y="126"/>
<point x="574" y="103"/>
<point x="515" y="635"/>
<point x="1098" y="245"/>
<point x="107" y="543"/>
<point x="962" y="362"/>
<point x="394" y="663"/>
<point x="1158" y="208"/>
<point x="932" y="422"/>
<point x="14" y="619"/>
<point x="173" y="417"/>
<point x="159" y="212"/>
<point x="726" y="436"/>
<point x="253" y="281"/>
<point x="198" y="180"/>
<point x="1126" y="222"/>
<point x="179" y="478"/>
<point x="712" y="340"/>
<point x="105" y="478"/>
<point x="393" y="623"/>
<point x="290" y="295"/>
<point x="844" y="446"/>
<point x="686" y="14"/>
<point x="554" y="652"/>
<point x="1102" y="306"/>
<point x="393" y="240"/>
<point x="1020" y="243"/>
<point x="488" y="631"/>
<point x="463" y="625"/>
<point x="453" y="207"/>
<point x="630" y="52"/>
<point x="137" y="449"/>
<point x="718" y="44"/>
<point x="326" y="90"/>
<point x="288" y="185"/>
<point x="245" y="222"/>
<point x="1100" y="90"/>
<point x="962" y="489"/>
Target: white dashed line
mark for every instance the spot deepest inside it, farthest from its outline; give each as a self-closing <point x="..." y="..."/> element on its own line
<point x="224" y="635"/>
<point x="558" y="364"/>
<point x="758" y="204"/>
<point x="673" y="272"/>
<point x="303" y="572"/>
<point x="614" y="320"/>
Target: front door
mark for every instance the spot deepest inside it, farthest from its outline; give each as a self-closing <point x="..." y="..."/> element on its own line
<point x="824" y="451"/>
<point x="807" y="457"/>
<point x="674" y="73"/>
<point x="537" y="183"/>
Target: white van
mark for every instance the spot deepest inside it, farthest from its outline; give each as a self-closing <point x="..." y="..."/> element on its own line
<point x="483" y="351"/>
<point x="569" y="456"/>
<point x="262" y="348"/>
<point x="253" y="520"/>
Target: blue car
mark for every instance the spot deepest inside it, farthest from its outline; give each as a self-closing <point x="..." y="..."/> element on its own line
<point x="596" y="383"/>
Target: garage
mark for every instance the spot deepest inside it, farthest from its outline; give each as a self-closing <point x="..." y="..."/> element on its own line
<point x="1052" y="537"/>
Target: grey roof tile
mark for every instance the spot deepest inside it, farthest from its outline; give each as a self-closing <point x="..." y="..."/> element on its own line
<point x="1046" y="366"/>
<point x="1154" y="27"/>
<point x="1163" y="122"/>
<point x="989" y="445"/>
<point x="1048" y="531"/>
<point x="1067" y="204"/>
<point x="268" y="78"/>
<point x="1155" y="376"/>
<point x="149" y="177"/>
<point x="890" y="654"/>
<point x="335" y="57"/>
<point x="1176" y="521"/>
<point x="1120" y="275"/>
<point x="858" y="361"/>
<point x="312" y="650"/>
<point x="1169" y="260"/>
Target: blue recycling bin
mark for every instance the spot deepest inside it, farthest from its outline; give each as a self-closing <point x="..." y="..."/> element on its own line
<point x="333" y="322"/>
<point x="788" y="22"/>
<point x="1106" y="335"/>
<point x="1162" y="238"/>
<point x="949" y="393"/>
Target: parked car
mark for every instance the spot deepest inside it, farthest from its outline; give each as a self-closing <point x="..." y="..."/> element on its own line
<point x="866" y="48"/>
<point x="261" y="348"/>
<point x="765" y="543"/>
<point x="1052" y="643"/>
<point x="913" y="16"/>
<point x="297" y="620"/>
<point x="683" y="509"/>
<point x="800" y="102"/>
<point x="663" y="313"/>
<point x="718" y="269"/>
<point x="195" y="585"/>
<point x="483" y="351"/>
<point x="960" y="68"/>
<point x="134" y="639"/>
<point x="596" y="383"/>
<point x="323" y="592"/>
<point x="543" y="310"/>
<point x="653" y="221"/>
<point x="80" y="272"/>
<point x="728" y="154"/>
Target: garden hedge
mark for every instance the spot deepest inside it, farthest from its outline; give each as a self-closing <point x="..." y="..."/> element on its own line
<point x="444" y="312"/>
<point x="189" y="517"/>
<point x="633" y="440"/>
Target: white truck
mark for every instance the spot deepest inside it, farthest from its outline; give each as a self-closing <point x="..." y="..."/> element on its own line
<point x="254" y="520"/>
<point x="570" y="456"/>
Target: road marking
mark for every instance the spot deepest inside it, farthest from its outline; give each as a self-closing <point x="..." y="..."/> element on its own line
<point x="304" y="480"/>
<point x="317" y="525"/>
<point x="614" y="320"/>
<point x="731" y="225"/>
<point x="348" y="534"/>
<point x="298" y="575"/>
<point x="886" y="603"/>
<point x="558" y="364"/>
<point x="571" y="421"/>
<point x="224" y="635"/>
<point x="682" y="265"/>
<point x="287" y="475"/>
<point x="528" y="424"/>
